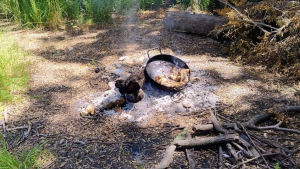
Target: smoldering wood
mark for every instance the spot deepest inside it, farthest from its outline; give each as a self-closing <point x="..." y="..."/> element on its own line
<point x="203" y="24"/>
<point x="196" y="142"/>
<point x="132" y="84"/>
<point x="135" y="97"/>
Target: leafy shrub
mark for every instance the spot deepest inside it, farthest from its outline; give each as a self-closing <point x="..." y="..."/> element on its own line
<point x="265" y="32"/>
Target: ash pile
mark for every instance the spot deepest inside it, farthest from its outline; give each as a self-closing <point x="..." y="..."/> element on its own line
<point x="198" y="94"/>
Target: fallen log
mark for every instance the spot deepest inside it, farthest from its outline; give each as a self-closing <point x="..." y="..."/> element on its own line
<point x="196" y="142"/>
<point x="203" y="24"/>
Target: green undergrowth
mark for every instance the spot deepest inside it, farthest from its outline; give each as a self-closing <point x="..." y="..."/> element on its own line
<point x="14" y="70"/>
<point x="26" y="159"/>
<point x="55" y="13"/>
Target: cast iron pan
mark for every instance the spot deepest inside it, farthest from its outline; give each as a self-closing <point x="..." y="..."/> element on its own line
<point x="159" y="64"/>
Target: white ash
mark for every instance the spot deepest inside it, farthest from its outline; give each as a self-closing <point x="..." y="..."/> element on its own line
<point x="199" y="95"/>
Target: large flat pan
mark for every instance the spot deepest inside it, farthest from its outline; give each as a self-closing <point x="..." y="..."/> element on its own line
<point x="160" y="64"/>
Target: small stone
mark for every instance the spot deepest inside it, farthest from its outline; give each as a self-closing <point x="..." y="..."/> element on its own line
<point x="167" y="125"/>
<point x="61" y="141"/>
<point x="128" y="61"/>
<point x="186" y="104"/>
<point x="105" y="77"/>
<point x="62" y="164"/>
<point x="110" y="69"/>
<point x="111" y="85"/>
<point x="90" y="109"/>
<point x="77" y="155"/>
<point x="84" y="112"/>
<point x="265" y="135"/>
<point x="97" y="70"/>
<point x="118" y="65"/>
<point x="122" y="58"/>
<point x="70" y="48"/>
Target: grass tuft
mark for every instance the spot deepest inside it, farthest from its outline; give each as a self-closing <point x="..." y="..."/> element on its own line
<point x="14" y="72"/>
<point x="26" y="159"/>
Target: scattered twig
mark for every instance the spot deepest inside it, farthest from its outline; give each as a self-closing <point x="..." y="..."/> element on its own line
<point x="252" y="159"/>
<point x="17" y="128"/>
<point x="26" y="134"/>
<point x="216" y="123"/>
<point x="220" y="163"/>
<point x="190" y="154"/>
<point x="232" y="152"/>
<point x="254" y="145"/>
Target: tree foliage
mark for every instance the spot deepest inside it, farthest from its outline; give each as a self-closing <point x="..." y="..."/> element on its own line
<point x="265" y="32"/>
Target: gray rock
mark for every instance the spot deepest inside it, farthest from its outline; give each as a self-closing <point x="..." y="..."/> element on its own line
<point x="128" y="61"/>
<point x="1" y="122"/>
<point x="110" y="69"/>
<point x="61" y="141"/>
<point x="186" y="104"/>
<point x="118" y="65"/>
<point x="109" y="99"/>
<point x="122" y="58"/>
<point x="111" y="85"/>
<point x="105" y="77"/>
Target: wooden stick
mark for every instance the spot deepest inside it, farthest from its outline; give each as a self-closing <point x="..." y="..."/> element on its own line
<point x="190" y="154"/>
<point x="220" y="163"/>
<point x="216" y="123"/>
<point x="252" y="159"/>
<point x="232" y="152"/>
<point x="168" y="158"/>
<point x="206" y="141"/>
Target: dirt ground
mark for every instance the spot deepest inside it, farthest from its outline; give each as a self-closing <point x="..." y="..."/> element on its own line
<point x="63" y="64"/>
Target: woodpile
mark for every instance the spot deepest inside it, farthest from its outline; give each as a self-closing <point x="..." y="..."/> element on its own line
<point x="237" y="146"/>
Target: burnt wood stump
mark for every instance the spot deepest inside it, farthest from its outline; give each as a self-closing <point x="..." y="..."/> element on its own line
<point x="132" y="86"/>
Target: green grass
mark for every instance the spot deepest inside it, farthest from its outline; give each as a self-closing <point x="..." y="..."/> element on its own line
<point x="14" y="71"/>
<point x="24" y="160"/>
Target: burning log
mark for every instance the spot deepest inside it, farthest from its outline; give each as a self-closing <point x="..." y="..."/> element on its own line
<point x="194" y="23"/>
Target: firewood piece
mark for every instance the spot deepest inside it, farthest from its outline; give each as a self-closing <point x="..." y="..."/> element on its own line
<point x="203" y="127"/>
<point x="168" y="158"/>
<point x="206" y="141"/>
<point x="249" y="124"/>
<point x="288" y="109"/>
<point x="216" y="123"/>
<point x="202" y="24"/>
<point x="232" y="152"/>
<point x="132" y="84"/>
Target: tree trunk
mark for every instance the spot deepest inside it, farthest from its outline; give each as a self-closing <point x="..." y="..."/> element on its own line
<point x="203" y="24"/>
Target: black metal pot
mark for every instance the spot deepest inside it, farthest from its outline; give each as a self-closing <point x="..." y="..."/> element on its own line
<point x="170" y="61"/>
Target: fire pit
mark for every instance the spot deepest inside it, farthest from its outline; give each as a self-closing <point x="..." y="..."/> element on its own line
<point x="195" y="95"/>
